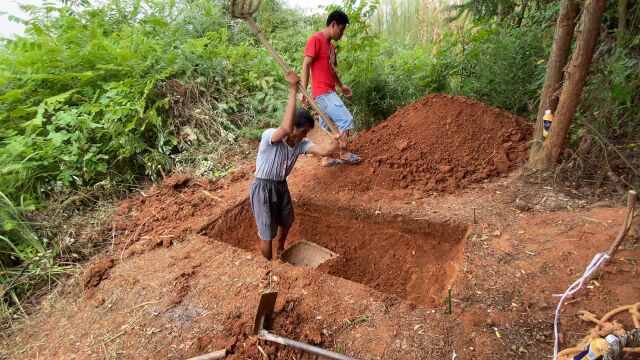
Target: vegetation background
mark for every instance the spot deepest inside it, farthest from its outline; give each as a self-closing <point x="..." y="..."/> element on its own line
<point x="96" y="98"/>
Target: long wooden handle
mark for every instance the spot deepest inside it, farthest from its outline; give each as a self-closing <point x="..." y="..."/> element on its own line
<point x="256" y="30"/>
<point x="220" y="354"/>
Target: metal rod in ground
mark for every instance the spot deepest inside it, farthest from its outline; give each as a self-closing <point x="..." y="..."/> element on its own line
<point x="449" y="311"/>
<point x="475" y="221"/>
<point x="265" y="335"/>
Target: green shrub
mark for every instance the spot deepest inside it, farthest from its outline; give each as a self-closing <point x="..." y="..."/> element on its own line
<point x="502" y="67"/>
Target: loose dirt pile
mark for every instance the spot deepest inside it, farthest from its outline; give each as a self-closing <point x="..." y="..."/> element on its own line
<point x="440" y="142"/>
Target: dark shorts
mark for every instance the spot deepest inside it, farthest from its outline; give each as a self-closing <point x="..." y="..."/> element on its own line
<point x="271" y="205"/>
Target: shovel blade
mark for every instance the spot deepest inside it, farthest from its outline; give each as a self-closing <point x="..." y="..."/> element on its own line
<point x="264" y="315"/>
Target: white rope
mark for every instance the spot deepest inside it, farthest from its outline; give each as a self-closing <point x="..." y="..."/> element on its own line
<point x="598" y="260"/>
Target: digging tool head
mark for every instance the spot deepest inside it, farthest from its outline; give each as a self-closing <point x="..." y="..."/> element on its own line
<point x="265" y="312"/>
<point x="244" y="8"/>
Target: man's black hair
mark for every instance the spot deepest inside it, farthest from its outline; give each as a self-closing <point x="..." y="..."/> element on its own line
<point x="339" y="17"/>
<point x="304" y="118"/>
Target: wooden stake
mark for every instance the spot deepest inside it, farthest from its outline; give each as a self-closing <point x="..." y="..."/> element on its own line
<point x="220" y="354"/>
<point x="161" y="172"/>
<point x="632" y="198"/>
<point x="449" y="311"/>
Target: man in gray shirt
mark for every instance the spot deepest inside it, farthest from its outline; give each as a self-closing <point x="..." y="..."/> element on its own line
<point x="279" y="149"/>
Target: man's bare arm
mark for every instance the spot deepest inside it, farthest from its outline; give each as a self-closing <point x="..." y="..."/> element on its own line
<point x="289" y="118"/>
<point x="306" y="67"/>
<point x="323" y="150"/>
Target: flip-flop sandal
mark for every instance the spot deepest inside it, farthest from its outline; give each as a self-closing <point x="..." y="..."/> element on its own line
<point x="353" y="159"/>
<point x="333" y="162"/>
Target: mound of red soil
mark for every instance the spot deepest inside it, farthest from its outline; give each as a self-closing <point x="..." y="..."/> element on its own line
<point x="440" y="142"/>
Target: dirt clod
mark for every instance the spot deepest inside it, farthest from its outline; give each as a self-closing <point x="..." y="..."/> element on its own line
<point x="98" y="271"/>
<point x="177" y="181"/>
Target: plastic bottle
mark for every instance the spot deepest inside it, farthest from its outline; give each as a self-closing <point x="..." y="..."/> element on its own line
<point x="598" y="348"/>
<point x="614" y="343"/>
<point x="594" y="351"/>
<point x="547" y="119"/>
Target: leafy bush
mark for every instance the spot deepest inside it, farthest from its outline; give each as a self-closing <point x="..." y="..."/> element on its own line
<point x="604" y="134"/>
<point x="502" y="67"/>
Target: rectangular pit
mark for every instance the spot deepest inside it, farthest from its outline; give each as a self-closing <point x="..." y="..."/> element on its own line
<point x="412" y="259"/>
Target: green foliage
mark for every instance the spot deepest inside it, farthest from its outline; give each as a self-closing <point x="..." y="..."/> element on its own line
<point x="410" y="21"/>
<point x="607" y="125"/>
<point x="82" y="102"/>
<point x="501" y="67"/>
<point x="383" y="75"/>
<point x="479" y="9"/>
<point x="612" y="96"/>
<point x="27" y="261"/>
<point x="77" y="102"/>
<point x="78" y="97"/>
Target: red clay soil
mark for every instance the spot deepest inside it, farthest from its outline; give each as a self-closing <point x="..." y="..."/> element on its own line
<point x="181" y="275"/>
<point x="440" y="142"/>
<point x="181" y="282"/>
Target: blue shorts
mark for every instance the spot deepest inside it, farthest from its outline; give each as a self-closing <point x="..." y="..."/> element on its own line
<point x="332" y="105"/>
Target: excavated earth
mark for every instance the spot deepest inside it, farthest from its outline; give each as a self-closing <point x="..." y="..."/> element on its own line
<point x="440" y="204"/>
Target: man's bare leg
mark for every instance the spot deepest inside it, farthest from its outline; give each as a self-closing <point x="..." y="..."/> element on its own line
<point x="328" y="160"/>
<point x="281" y="239"/>
<point x="344" y="142"/>
<point x="345" y="155"/>
<point x="265" y="249"/>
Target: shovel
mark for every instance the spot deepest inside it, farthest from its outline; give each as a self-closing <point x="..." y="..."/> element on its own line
<point x="244" y="9"/>
<point x="263" y="323"/>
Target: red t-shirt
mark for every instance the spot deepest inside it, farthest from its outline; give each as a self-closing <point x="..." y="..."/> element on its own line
<point x="324" y="54"/>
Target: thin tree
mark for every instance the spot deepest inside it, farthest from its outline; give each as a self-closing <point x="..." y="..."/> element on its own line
<point x="574" y="80"/>
<point x="521" y="12"/>
<point x="555" y="71"/>
<point x="622" y="21"/>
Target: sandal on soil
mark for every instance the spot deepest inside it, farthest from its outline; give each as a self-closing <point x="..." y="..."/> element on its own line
<point x="332" y="163"/>
<point x="353" y="159"/>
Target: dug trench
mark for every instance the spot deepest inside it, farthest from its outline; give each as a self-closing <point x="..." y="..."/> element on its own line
<point x="413" y="259"/>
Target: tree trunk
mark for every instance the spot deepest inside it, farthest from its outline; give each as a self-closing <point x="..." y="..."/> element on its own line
<point x="622" y="21"/>
<point x="555" y="70"/>
<point x="574" y="79"/>
<point x="501" y="10"/>
<point x="523" y="8"/>
<point x="505" y="7"/>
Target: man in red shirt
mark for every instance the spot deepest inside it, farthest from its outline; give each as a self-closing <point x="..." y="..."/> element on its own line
<point x="320" y="58"/>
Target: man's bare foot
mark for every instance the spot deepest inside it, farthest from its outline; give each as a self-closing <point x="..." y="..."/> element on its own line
<point x="329" y="162"/>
